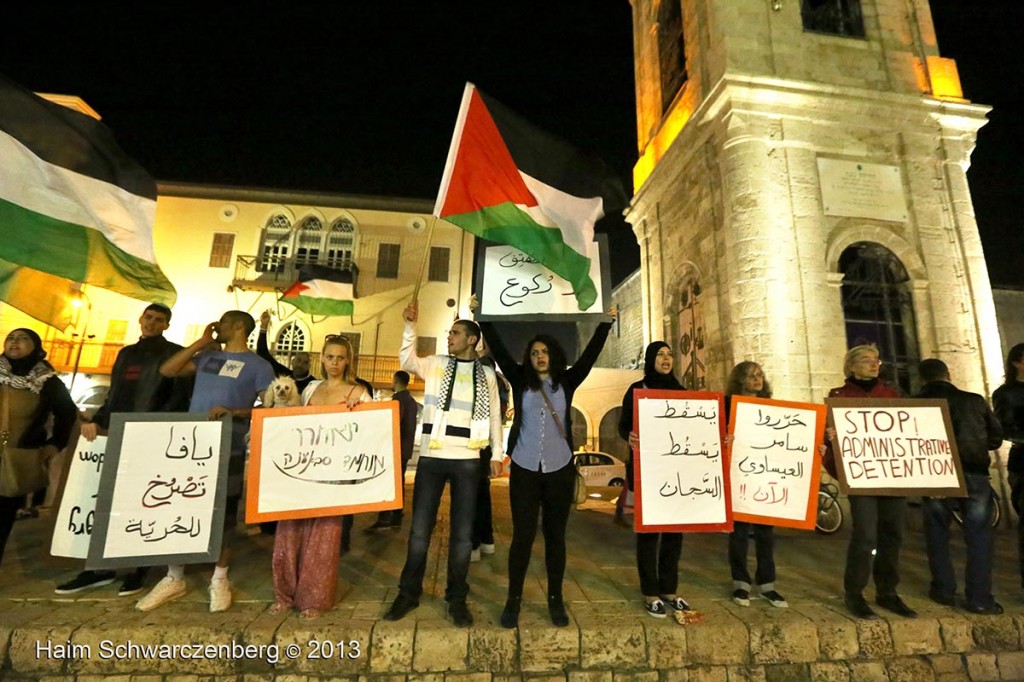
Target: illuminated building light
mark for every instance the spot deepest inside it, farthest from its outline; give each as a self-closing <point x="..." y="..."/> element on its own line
<point x="945" y="79"/>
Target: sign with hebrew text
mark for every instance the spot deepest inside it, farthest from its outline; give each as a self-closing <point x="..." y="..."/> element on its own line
<point x="324" y="460"/>
<point x="775" y="463"/>
<point x="73" y="527"/>
<point x="895" y="447"/>
<point x="162" y="490"/>
<point x="681" y="472"/>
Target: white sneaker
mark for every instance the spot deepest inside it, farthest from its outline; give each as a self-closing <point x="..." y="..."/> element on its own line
<point x="220" y="595"/>
<point x="168" y="589"/>
<point x="487" y="548"/>
<point x="474" y="555"/>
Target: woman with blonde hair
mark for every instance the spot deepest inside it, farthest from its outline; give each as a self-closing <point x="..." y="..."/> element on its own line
<point x="306" y="551"/>
<point x="878" y="520"/>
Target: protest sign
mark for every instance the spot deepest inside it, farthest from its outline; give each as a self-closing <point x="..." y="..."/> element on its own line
<point x="162" y="490"/>
<point x="775" y="463"/>
<point x="895" y="447"/>
<point x="72" y="529"/>
<point x="681" y="474"/>
<point x="514" y="286"/>
<point x="324" y="460"/>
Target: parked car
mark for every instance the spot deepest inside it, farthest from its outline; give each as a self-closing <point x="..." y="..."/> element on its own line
<point x="600" y="469"/>
<point x="90" y="399"/>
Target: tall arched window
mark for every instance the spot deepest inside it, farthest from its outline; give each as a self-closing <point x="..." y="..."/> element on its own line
<point x="341" y="244"/>
<point x="290" y="340"/>
<point x="308" y="241"/>
<point x="693" y="365"/>
<point x="277" y="241"/>
<point x="671" y="50"/>
<point x="878" y="308"/>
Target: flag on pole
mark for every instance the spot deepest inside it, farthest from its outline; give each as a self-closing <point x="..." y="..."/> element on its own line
<point x="322" y="291"/>
<point x="73" y="209"/>
<point x="509" y="182"/>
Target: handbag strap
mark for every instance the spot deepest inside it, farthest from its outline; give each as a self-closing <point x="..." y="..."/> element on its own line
<point x="551" y="408"/>
<point x="5" y="415"/>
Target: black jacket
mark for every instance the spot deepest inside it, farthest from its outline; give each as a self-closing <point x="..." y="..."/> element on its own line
<point x="136" y="384"/>
<point x="571" y="378"/>
<point x="53" y="399"/>
<point x="1008" y="401"/>
<point x="975" y="427"/>
<point x="407" y="412"/>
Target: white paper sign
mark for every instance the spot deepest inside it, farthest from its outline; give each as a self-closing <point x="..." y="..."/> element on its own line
<point x="862" y="190"/>
<point x="681" y="469"/>
<point x="515" y="284"/>
<point x="326" y="459"/>
<point x="73" y="528"/>
<point x="772" y="460"/>
<point x="165" y="492"/>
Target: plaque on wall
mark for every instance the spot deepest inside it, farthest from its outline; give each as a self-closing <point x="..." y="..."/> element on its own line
<point x="856" y="189"/>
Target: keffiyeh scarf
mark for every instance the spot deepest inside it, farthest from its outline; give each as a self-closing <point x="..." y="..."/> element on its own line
<point x="480" y="421"/>
<point x="33" y="381"/>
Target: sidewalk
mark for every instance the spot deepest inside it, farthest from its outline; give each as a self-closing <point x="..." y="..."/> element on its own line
<point x="601" y="591"/>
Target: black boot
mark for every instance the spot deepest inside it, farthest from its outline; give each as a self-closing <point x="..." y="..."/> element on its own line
<point x="556" y="609"/>
<point x="510" y="616"/>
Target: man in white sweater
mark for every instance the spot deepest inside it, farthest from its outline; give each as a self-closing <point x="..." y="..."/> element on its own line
<point x="461" y="415"/>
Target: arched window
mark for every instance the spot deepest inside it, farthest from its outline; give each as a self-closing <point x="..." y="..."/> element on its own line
<point x="878" y="308"/>
<point x="290" y="340"/>
<point x="671" y="50"/>
<point x="609" y="435"/>
<point x="693" y="365"/>
<point x="341" y="244"/>
<point x="579" y="429"/>
<point x="308" y="241"/>
<point x="277" y="242"/>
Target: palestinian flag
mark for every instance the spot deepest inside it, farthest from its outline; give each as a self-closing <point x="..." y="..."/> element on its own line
<point x="509" y="182"/>
<point x="73" y="209"/>
<point x="322" y="291"/>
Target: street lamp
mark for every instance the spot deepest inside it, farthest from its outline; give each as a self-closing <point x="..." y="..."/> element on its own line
<point x="80" y="300"/>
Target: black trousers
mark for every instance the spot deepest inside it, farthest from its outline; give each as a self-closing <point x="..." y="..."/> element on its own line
<point x="530" y="493"/>
<point x="764" y="547"/>
<point x="657" y="562"/>
<point x="9" y="507"/>
<point x="877" y="525"/>
<point x="483" y="522"/>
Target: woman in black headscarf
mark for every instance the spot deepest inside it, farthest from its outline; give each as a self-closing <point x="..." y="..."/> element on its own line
<point x="30" y="392"/>
<point x="657" y="554"/>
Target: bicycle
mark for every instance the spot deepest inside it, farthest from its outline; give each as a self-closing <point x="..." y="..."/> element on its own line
<point x="830" y="513"/>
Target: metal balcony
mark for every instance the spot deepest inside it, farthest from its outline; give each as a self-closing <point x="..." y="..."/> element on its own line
<point x="277" y="273"/>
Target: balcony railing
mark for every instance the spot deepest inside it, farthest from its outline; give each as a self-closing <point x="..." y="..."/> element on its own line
<point x="268" y="273"/>
<point x="97" y="357"/>
<point x="379" y="370"/>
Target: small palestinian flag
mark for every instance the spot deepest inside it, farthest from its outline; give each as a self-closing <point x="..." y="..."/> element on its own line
<point x="509" y="182"/>
<point x="322" y="291"/>
<point x="73" y="209"/>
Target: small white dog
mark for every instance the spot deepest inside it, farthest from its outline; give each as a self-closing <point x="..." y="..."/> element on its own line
<point x="282" y="392"/>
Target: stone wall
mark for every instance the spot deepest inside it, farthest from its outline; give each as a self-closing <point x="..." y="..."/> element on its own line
<point x="1010" y="312"/>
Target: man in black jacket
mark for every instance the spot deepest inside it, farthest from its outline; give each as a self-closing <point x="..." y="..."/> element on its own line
<point x="135" y="386"/>
<point x="977" y="432"/>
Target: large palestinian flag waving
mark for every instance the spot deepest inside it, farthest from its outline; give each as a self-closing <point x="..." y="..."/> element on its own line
<point x="322" y="291"/>
<point x="73" y="209"/>
<point x="509" y="182"/>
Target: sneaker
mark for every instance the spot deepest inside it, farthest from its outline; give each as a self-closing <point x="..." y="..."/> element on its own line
<point x="775" y="599"/>
<point x="474" y="556"/>
<point x="400" y="608"/>
<point x="741" y="597"/>
<point x="676" y="603"/>
<point x="132" y="584"/>
<point x="86" y="580"/>
<point x="459" y="613"/>
<point x="486" y="548"/>
<point x="382" y="523"/>
<point x="656" y="608"/>
<point x="168" y="589"/>
<point x="993" y="608"/>
<point x="220" y="595"/>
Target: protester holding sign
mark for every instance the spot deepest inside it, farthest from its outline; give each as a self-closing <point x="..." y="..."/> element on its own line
<point x="1008" y="401"/>
<point x="136" y="385"/>
<point x="31" y="394"/>
<point x="977" y="431"/>
<point x="657" y="554"/>
<point x="306" y="551"/>
<point x="542" y="475"/>
<point x="747" y="378"/>
<point x="877" y="520"/>
<point x="228" y="382"/>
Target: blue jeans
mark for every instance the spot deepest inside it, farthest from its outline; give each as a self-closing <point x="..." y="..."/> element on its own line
<point x="976" y="509"/>
<point x="432" y="473"/>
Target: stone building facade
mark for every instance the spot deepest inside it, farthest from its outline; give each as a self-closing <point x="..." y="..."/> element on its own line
<point x="801" y="187"/>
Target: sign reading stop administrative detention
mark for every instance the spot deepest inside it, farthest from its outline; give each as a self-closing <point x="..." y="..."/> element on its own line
<point x="895" y="447"/>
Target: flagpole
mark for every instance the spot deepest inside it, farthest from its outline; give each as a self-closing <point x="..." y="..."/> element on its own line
<point x="423" y="262"/>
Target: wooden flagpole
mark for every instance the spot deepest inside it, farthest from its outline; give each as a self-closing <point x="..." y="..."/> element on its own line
<point x="423" y="262"/>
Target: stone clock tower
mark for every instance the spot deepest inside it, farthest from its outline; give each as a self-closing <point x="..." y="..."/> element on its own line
<point x="801" y="188"/>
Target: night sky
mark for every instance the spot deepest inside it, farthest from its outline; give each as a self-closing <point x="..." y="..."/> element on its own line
<point x="361" y="98"/>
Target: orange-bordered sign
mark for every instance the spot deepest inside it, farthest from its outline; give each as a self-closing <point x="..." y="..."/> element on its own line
<point x="323" y="460"/>
<point x="681" y="471"/>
